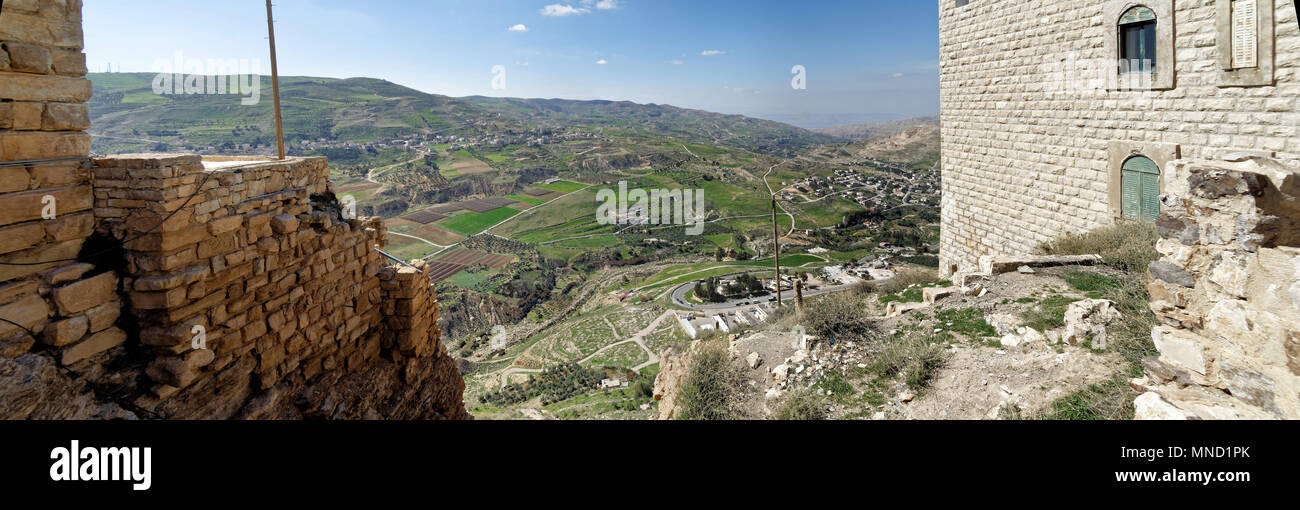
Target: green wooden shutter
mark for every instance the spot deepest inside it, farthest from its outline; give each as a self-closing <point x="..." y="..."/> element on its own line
<point x="1150" y="196"/>
<point x="1132" y="199"/>
<point x="1140" y="180"/>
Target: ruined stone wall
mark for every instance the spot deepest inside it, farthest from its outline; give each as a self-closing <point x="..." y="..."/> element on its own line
<point x="149" y="286"/>
<point x="245" y="280"/>
<point x="1030" y="129"/>
<point x="1227" y="291"/>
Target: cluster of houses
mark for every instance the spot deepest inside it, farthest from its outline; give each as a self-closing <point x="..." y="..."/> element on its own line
<point x="872" y="190"/>
<point x="695" y="325"/>
<point x="410" y="142"/>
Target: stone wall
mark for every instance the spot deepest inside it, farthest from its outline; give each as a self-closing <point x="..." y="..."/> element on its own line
<point x="48" y="297"/>
<point x="151" y="286"/>
<point x="1031" y="131"/>
<point x="1227" y="291"/>
<point x="248" y="268"/>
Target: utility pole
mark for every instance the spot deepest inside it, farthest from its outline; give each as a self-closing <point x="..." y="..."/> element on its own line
<point x="776" y="245"/>
<point x="275" y="81"/>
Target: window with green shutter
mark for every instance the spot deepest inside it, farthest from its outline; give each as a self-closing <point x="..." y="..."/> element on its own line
<point x="1141" y="189"/>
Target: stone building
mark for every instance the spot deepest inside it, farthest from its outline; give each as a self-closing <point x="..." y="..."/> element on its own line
<point x="1059" y="117"/>
<point x="174" y="286"/>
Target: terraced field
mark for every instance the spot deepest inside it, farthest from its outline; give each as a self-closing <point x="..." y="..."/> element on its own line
<point x="625" y="356"/>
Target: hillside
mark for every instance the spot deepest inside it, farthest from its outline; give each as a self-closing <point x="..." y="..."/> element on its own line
<point x="127" y="115"/>
<point x="873" y="130"/>
<point x="699" y="126"/>
<point x="125" y="109"/>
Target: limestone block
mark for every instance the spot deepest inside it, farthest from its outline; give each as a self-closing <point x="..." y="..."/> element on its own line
<point x="28" y="58"/>
<point x="78" y="297"/>
<point x="1180" y="348"/>
<point x="66" y="117"/>
<point x="44" y="88"/>
<point x="30" y="313"/>
<point x="931" y="295"/>
<point x="66" y="331"/>
<point x="1087" y="321"/>
<point x="95" y="344"/>
<point x="1005" y="264"/>
<point x="1150" y="406"/>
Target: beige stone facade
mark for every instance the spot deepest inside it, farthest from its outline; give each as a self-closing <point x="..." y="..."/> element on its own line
<point x="1037" y="121"/>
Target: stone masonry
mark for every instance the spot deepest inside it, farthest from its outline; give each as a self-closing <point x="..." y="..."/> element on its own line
<point x="49" y="299"/>
<point x="1034" y="134"/>
<point x="149" y="286"/>
<point x="1227" y="290"/>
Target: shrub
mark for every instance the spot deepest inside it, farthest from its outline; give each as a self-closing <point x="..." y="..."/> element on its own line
<point x="1127" y="245"/>
<point x="907" y="278"/>
<point x="803" y="404"/>
<point x="713" y="386"/>
<point x="838" y="316"/>
<point x="914" y="358"/>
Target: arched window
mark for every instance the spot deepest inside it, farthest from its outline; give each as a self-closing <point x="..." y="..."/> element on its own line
<point x="1141" y="189"/>
<point x="1137" y="41"/>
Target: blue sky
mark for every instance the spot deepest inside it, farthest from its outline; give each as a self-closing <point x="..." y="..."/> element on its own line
<point x="861" y="56"/>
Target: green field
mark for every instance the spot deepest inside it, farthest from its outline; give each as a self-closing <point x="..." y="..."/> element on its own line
<point x="563" y="186"/>
<point x="471" y="223"/>
<point x="526" y="200"/>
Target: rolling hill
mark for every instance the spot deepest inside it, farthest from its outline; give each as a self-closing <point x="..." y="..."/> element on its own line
<point x="698" y="126"/>
<point x="125" y="110"/>
<point x="875" y="130"/>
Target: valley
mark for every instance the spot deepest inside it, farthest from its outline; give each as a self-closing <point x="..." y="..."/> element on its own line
<point x="500" y="196"/>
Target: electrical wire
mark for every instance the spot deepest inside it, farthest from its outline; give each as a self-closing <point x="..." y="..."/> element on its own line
<point x="124" y="242"/>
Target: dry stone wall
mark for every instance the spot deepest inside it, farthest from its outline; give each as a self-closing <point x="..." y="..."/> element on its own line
<point x="1227" y="290"/>
<point x="1028" y="134"/>
<point x="146" y="286"/>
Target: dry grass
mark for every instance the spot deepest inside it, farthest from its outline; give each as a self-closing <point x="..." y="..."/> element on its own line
<point x="838" y="316"/>
<point x="906" y="278"/>
<point x="713" y="387"/>
<point x="1129" y="246"/>
<point x="802" y="405"/>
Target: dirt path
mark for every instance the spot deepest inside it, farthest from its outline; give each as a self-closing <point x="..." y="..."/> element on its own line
<point x="638" y="338"/>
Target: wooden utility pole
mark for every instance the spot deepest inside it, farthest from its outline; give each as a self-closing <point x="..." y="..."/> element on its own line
<point x="798" y="294"/>
<point x="776" y="244"/>
<point x="275" y="81"/>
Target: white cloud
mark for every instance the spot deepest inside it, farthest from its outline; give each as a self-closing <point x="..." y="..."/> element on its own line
<point x="603" y="5"/>
<point x="602" y="62"/>
<point x="519" y="28"/>
<point x="558" y="10"/>
<point x="712" y="53"/>
<point x="897" y="75"/>
<point x="676" y="62"/>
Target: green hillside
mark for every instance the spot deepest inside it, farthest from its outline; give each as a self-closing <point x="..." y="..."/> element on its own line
<point x="698" y="126"/>
<point x="355" y="109"/>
